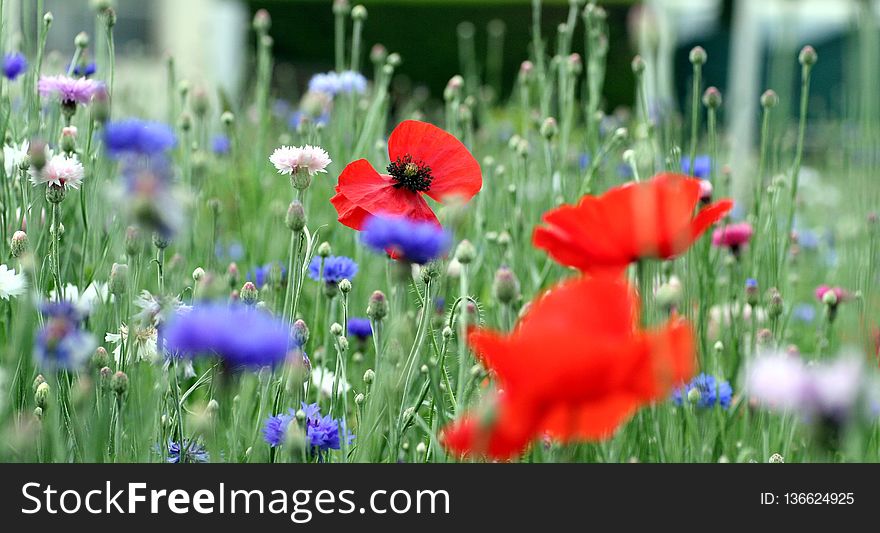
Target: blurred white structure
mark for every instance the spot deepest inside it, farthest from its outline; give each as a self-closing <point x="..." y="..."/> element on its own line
<point x="782" y="25"/>
<point x="206" y="38"/>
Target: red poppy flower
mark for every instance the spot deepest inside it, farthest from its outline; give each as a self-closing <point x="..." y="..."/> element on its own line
<point x="653" y="219"/>
<point x="424" y="160"/>
<point x="599" y="370"/>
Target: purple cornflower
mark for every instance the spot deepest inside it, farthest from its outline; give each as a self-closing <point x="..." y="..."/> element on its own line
<point x="187" y="451"/>
<point x="360" y="327"/>
<point x="70" y="91"/>
<point x="239" y="335"/>
<point x="336" y="268"/>
<point x="702" y="167"/>
<point x="412" y="241"/>
<point x="134" y="136"/>
<point x="14" y="64"/>
<point x="61" y="342"/>
<point x="827" y="391"/>
<point x="705" y="391"/>
<point x="275" y="428"/>
<point x="220" y="144"/>
<point x="323" y="432"/>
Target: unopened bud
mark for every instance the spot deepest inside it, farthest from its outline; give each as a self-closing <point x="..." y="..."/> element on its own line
<point x="808" y="56"/>
<point x="697" y="55"/>
<point x="344" y="286"/>
<point x="19" y="244"/>
<point x="295" y="220"/>
<point x="359" y="13"/>
<point x="198" y="274"/>
<point x="506" y="286"/>
<point x="118" y="283"/>
<point x="300" y="332"/>
<point x="119" y="383"/>
<point x="712" y="98"/>
<point x="465" y="252"/>
<point x="377" y="308"/>
<point x="248" y="293"/>
<point x="324" y="249"/>
<point x="549" y="128"/>
<point x="769" y="99"/>
<point x="369" y="376"/>
<point x="41" y="396"/>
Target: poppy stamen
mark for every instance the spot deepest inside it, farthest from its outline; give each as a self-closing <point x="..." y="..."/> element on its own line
<point x="412" y="174"/>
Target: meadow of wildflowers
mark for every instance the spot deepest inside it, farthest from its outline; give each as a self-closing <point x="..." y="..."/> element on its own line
<point x="356" y="274"/>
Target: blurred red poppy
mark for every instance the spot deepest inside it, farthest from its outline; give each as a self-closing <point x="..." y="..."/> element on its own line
<point x="424" y="160"/>
<point x="575" y="368"/>
<point x="653" y="219"/>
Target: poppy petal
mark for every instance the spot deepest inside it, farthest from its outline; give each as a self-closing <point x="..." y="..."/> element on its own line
<point x="708" y="216"/>
<point x="590" y="421"/>
<point x="455" y="171"/>
<point x="363" y="192"/>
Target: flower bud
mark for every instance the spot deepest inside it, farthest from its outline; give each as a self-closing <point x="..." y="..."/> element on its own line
<point x="300" y="332"/>
<point x="344" y="286"/>
<point x="712" y="98"/>
<point x="324" y="249"/>
<point x="104" y="377"/>
<point x="776" y="458"/>
<point x="369" y="376"/>
<point x="506" y="286"/>
<point x="377" y="308"/>
<point x="41" y="396"/>
<point x="669" y="295"/>
<point x="336" y="329"/>
<point x="718" y="347"/>
<point x="39" y="380"/>
<point x="100" y="358"/>
<point x="341" y="7"/>
<point x="465" y="252"/>
<point x="342" y="342"/>
<point x="549" y="128"/>
<point x="160" y="242"/>
<point x="262" y="21"/>
<point x="48" y="18"/>
<point x="769" y="99"/>
<point x="132" y="241"/>
<point x="55" y="194"/>
<point x="752" y="292"/>
<point x="227" y="118"/>
<point x="697" y="55"/>
<point x="378" y="54"/>
<point x="118" y="283"/>
<point x="448" y="333"/>
<point x="775" y="303"/>
<point x="295" y="220"/>
<point x="694" y="395"/>
<point x="198" y="274"/>
<point x="830" y="298"/>
<point x="359" y="399"/>
<point x="359" y="13"/>
<point x="453" y="269"/>
<point x="19" y="244"/>
<point x="808" y="56"/>
<point x="81" y="40"/>
<point x="248" y="293"/>
<point x="119" y="383"/>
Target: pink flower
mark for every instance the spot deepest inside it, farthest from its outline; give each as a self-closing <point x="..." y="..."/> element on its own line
<point x="69" y="90"/>
<point x="733" y="235"/>
<point x="60" y="171"/>
<point x="292" y="159"/>
<point x="840" y="294"/>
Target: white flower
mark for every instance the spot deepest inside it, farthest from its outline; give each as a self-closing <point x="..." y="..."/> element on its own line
<point x="291" y="159"/>
<point x="85" y="301"/>
<point x="13" y="155"/>
<point x="155" y="310"/>
<point x="324" y="379"/>
<point x="145" y="343"/>
<point x="61" y="171"/>
<point x="11" y="284"/>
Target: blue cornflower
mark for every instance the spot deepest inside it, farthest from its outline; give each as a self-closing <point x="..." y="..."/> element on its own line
<point x="709" y="391"/>
<point x="360" y="327"/>
<point x="275" y="428"/>
<point x="804" y="313"/>
<point x="702" y="166"/>
<point x="751" y="283"/>
<point x="187" y="451"/>
<point x="336" y="269"/>
<point x="85" y="69"/>
<point x="14" y="64"/>
<point x="262" y="274"/>
<point x="413" y="241"/>
<point x="138" y="137"/>
<point x="221" y="144"/>
<point x="352" y="82"/>
<point x="239" y="335"/>
<point x="323" y="432"/>
<point x="584" y="161"/>
<point x="231" y="252"/>
<point x="61" y="342"/>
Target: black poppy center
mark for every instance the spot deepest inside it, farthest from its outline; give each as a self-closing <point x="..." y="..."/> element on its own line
<point x="410" y="174"/>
